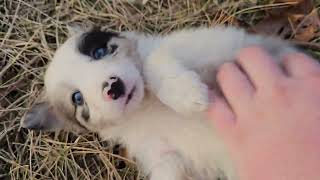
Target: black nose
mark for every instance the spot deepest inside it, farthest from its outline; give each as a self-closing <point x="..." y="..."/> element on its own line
<point x="117" y="88"/>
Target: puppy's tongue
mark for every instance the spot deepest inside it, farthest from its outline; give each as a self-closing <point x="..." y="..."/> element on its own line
<point x="105" y="94"/>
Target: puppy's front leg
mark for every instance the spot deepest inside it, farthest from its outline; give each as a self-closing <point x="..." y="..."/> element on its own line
<point x="175" y="85"/>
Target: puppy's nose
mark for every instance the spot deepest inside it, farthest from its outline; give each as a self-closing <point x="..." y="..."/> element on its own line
<point x="117" y="88"/>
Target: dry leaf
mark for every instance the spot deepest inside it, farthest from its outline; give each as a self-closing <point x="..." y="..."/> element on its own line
<point x="301" y="7"/>
<point x="291" y="7"/>
<point x="274" y="26"/>
<point x="305" y="27"/>
<point x="306" y="35"/>
<point x="284" y="1"/>
<point x="298" y="21"/>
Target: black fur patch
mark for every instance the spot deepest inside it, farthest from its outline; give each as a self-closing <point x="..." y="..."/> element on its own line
<point x="94" y="39"/>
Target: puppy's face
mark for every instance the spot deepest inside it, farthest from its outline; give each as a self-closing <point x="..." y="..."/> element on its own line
<point x="92" y="82"/>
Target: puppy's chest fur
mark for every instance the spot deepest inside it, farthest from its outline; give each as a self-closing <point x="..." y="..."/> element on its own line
<point x="170" y="135"/>
<point x="167" y="145"/>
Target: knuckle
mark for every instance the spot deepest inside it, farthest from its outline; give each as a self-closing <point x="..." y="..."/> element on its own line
<point x="274" y="88"/>
<point x="246" y="52"/>
<point x="295" y="58"/>
<point x="286" y="60"/>
<point x="279" y="88"/>
<point x="301" y="57"/>
<point x="315" y="81"/>
<point x="224" y="70"/>
<point x="279" y="92"/>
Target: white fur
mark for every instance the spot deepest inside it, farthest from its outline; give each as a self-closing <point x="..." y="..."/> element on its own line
<point x="165" y="126"/>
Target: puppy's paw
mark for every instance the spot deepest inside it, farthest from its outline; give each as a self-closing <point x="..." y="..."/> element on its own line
<point x="184" y="93"/>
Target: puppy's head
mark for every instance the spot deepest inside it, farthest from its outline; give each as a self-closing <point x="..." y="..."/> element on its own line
<point x="92" y="82"/>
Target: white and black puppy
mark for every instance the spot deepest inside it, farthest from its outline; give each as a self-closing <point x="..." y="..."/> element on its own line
<point x="147" y="92"/>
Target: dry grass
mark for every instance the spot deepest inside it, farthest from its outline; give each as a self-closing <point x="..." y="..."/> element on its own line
<point x="30" y="31"/>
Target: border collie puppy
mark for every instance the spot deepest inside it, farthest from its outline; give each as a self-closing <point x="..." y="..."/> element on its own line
<point x="147" y="92"/>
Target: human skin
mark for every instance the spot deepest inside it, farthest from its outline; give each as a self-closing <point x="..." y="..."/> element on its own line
<point x="269" y="117"/>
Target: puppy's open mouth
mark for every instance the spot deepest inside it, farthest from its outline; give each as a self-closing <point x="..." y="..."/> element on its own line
<point x="130" y="95"/>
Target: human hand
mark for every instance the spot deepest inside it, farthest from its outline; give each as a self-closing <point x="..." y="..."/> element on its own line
<point x="270" y="120"/>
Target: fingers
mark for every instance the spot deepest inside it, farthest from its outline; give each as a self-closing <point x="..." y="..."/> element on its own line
<point x="222" y="118"/>
<point x="235" y="86"/>
<point x="300" y="65"/>
<point x="260" y="67"/>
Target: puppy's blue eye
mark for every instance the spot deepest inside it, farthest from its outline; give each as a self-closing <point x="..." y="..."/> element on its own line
<point x="100" y="53"/>
<point x="77" y="98"/>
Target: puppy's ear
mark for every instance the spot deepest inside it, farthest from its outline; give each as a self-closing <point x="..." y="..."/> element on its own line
<point x="78" y="28"/>
<point x="74" y="29"/>
<point x="42" y="117"/>
<point x="127" y="47"/>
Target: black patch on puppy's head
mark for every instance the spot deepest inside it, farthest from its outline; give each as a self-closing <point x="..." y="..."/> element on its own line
<point x="95" y="39"/>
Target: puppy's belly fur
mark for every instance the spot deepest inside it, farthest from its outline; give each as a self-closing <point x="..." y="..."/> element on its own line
<point x="158" y="138"/>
